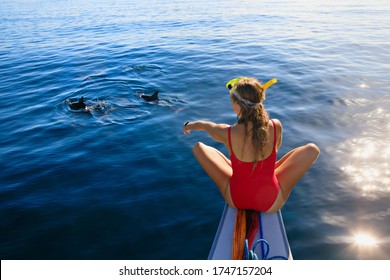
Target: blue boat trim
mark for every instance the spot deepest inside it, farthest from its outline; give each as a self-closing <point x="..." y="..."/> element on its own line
<point x="271" y="236"/>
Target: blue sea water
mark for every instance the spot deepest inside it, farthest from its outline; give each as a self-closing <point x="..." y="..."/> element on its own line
<point x="122" y="183"/>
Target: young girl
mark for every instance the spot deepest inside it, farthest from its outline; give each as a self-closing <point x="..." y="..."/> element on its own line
<point x="252" y="178"/>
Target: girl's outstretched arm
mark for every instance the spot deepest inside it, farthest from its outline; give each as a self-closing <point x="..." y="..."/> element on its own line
<point x="217" y="131"/>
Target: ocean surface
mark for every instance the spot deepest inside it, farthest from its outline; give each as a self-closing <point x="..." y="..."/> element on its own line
<point x="121" y="182"/>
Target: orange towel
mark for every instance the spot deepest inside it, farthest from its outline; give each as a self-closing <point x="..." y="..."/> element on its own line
<point x="239" y="235"/>
<point x="245" y="227"/>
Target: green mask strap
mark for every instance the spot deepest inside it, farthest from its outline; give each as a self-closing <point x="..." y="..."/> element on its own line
<point x="232" y="82"/>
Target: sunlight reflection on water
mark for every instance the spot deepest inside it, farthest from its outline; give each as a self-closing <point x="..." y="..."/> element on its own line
<point x="368" y="164"/>
<point x="363" y="160"/>
<point x="365" y="239"/>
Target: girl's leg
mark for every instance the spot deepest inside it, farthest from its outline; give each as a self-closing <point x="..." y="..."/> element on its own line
<point x="217" y="166"/>
<point x="283" y="159"/>
<point x="291" y="167"/>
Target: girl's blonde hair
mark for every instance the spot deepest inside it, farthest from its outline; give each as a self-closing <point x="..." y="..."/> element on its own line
<point x="252" y="90"/>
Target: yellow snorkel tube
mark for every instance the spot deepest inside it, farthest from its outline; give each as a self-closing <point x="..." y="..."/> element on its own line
<point x="234" y="81"/>
<point x="269" y="83"/>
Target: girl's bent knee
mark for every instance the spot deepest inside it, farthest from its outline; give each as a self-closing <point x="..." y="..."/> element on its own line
<point x="198" y="147"/>
<point x="313" y="150"/>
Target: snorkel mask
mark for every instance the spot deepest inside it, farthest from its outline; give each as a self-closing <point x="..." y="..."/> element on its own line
<point x="232" y="83"/>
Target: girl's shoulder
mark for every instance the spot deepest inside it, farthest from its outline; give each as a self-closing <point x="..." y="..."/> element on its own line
<point x="279" y="132"/>
<point x="238" y="128"/>
<point x="277" y="123"/>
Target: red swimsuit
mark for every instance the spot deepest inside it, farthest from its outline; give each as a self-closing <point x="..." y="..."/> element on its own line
<point x="254" y="189"/>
